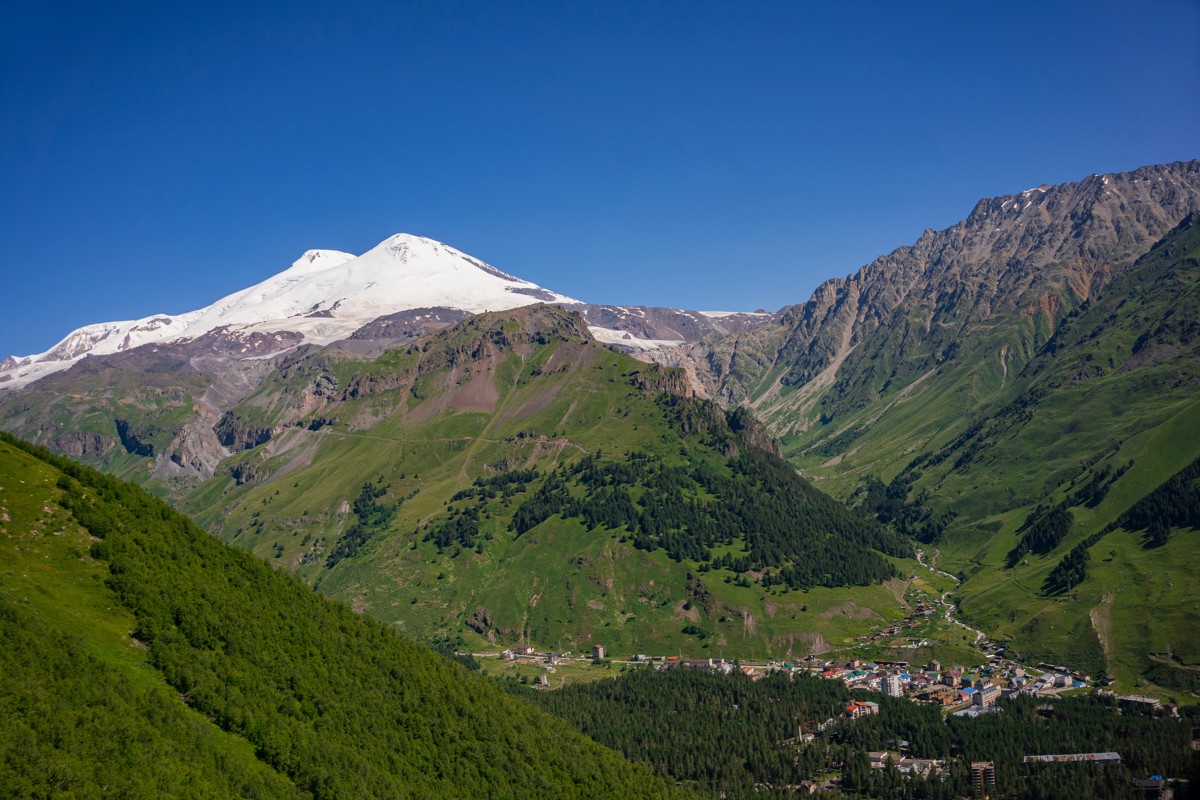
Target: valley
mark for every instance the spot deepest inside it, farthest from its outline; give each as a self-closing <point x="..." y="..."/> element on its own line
<point x="1000" y="393"/>
<point x="238" y="680"/>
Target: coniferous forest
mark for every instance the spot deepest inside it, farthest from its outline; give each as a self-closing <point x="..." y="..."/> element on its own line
<point x="1174" y="504"/>
<point x="789" y="533"/>
<point x="728" y="736"/>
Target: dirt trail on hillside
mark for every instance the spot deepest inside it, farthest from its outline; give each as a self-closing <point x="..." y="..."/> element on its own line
<point x="1101" y="616"/>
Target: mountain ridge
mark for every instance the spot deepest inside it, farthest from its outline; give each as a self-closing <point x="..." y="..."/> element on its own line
<point x="404" y="287"/>
<point x="508" y="478"/>
<point x="1029" y="248"/>
<point x="1004" y="390"/>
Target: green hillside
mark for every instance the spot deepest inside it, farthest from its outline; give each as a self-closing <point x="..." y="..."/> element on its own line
<point x="142" y="657"/>
<point x="81" y="705"/>
<point x="510" y="480"/>
<point x="1005" y="471"/>
<point x="1002" y="392"/>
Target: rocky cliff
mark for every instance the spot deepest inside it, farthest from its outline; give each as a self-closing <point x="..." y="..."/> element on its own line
<point x="1023" y="258"/>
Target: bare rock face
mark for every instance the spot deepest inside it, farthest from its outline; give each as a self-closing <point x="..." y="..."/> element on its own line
<point x="671" y="381"/>
<point x="131" y="439"/>
<point x="407" y="325"/>
<point x="196" y="449"/>
<point x="753" y="432"/>
<point x="83" y="445"/>
<point x="1027" y="256"/>
<point x="195" y="452"/>
<point x="237" y="434"/>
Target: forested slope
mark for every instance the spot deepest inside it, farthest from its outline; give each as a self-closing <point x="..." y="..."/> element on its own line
<point x="144" y="656"/>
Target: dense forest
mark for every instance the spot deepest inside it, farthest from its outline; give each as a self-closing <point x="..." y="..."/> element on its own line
<point x="890" y="504"/>
<point x="729" y="736"/>
<point x="70" y="724"/>
<point x="332" y="704"/>
<point x="790" y="532"/>
<point x="1043" y="530"/>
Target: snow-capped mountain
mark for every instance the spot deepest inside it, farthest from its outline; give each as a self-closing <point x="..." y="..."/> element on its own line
<point x="325" y="296"/>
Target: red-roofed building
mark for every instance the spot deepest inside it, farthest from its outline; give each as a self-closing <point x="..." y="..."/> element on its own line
<point x="861" y="708"/>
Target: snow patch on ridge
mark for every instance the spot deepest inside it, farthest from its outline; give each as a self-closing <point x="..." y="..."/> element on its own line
<point x="625" y="339"/>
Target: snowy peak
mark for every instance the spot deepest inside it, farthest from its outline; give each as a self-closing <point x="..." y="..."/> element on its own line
<point x="314" y="260"/>
<point x="113" y="337"/>
<point x="397" y="289"/>
<point x="402" y="272"/>
<point x="405" y="248"/>
<point x="324" y="296"/>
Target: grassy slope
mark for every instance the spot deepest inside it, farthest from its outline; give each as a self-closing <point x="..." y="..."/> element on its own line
<point x="334" y="702"/>
<point x="429" y="433"/>
<point x="1105" y="402"/>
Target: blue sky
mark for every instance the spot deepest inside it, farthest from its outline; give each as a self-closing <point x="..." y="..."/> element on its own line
<point x="156" y="156"/>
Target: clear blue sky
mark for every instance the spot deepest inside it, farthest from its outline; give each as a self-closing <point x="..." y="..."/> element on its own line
<point x="156" y="156"/>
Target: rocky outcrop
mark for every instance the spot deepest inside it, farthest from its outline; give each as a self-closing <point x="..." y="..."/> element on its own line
<point x="236" y="433"/>
<point x="411" y="324"/>
<point x="196" y="450"/>
<point x="752" y="432"/>
<point x="368" y="384"/>
<point x="83" y="445"/>
<point x="669" y="380"/>
<point x="132" y="440"/>
<point x="246" y="472"/>
<point x="669" y="324"/>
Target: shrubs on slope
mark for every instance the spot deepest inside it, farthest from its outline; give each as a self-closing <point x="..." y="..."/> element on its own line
<point x="70" y="725"/>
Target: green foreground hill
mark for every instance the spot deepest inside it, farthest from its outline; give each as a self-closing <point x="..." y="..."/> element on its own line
<point x="142" y="657"/>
